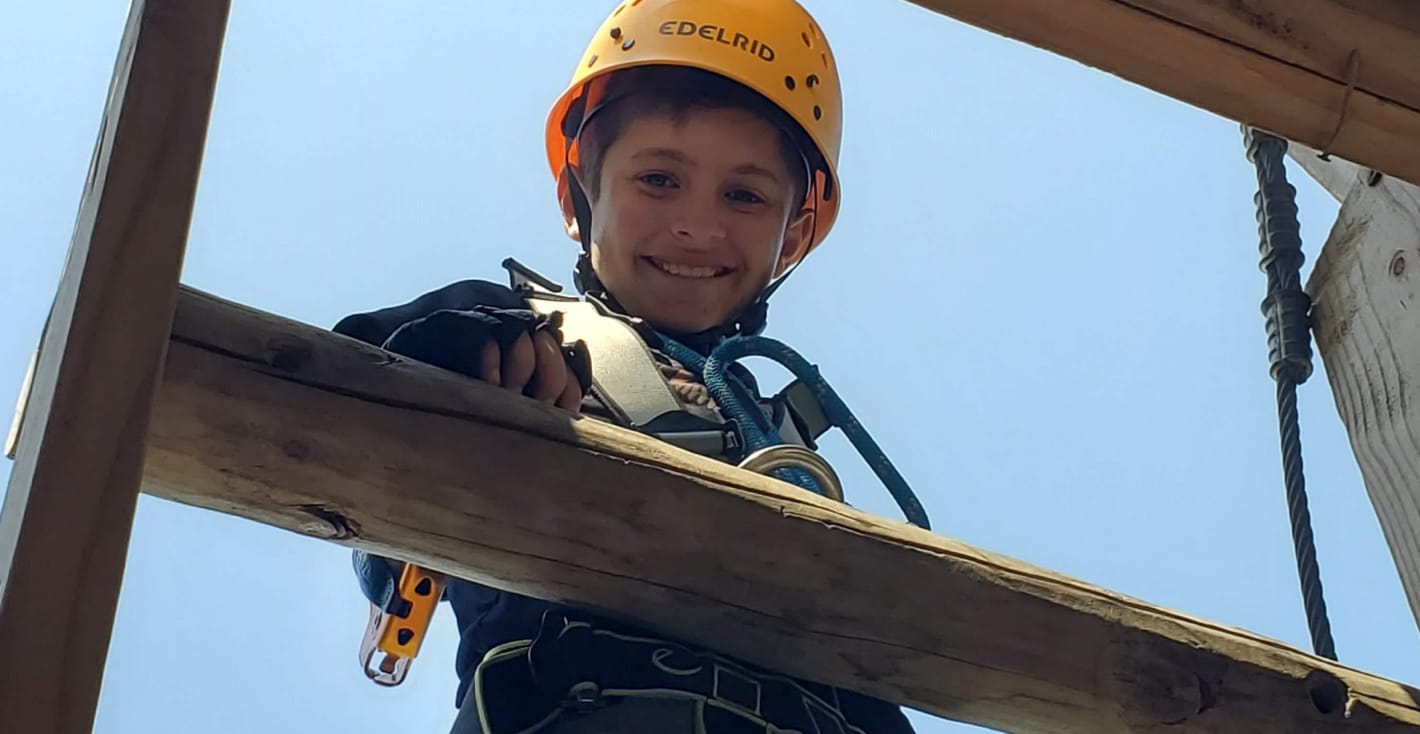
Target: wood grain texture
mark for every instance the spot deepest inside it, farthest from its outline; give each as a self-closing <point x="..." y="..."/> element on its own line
<point x="1366" y="289"/>
<point x="68" y="510"/>
<point x="309" y="431"/>
<point x="1280" y="65"/>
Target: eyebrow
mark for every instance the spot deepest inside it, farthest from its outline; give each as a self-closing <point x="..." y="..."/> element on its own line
<point x="678" y="156"/>
<point x="667" y="153"/>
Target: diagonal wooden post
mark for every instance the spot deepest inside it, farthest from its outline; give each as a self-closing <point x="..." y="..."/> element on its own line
<point x="79" y="449"/>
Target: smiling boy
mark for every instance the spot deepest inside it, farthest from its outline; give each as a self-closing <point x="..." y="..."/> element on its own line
<point x="695" y="155"/>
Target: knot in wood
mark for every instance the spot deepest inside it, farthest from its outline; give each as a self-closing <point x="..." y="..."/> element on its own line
<point x="1154" y="689"/>
<point x="327" y="523"/>
<point x="287" y="353"/>
<point x="1327" y="693"/>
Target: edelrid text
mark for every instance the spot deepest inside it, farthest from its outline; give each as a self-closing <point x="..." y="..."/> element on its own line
<point x="720" y="34"/>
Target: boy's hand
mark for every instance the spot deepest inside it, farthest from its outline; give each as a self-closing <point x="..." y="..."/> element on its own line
<point x="513" y="348"/>
<point x="534" y="366"/>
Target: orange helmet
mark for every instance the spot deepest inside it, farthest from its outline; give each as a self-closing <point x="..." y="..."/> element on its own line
<point x="773" y="47"/>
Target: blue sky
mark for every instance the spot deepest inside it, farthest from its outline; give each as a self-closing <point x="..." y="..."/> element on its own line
<point x="1041" y="297"/>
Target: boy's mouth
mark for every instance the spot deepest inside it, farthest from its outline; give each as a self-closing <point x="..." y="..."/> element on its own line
<point x="682" y="270"/>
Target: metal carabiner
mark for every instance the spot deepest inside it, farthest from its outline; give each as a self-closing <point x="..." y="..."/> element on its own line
<point x="784" y="456"/>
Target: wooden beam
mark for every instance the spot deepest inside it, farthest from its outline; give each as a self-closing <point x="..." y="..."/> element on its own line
<point x="1281" y="65"/>
<point x="79" y="449"/>
<point x="1366" y="290"/>
<point x="306" y="430"/>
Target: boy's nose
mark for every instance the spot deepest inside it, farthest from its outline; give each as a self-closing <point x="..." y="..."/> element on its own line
<point x="699" y="226"/>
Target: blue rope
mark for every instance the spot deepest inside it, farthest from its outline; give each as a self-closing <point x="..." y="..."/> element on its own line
<point x="733" y="397"/>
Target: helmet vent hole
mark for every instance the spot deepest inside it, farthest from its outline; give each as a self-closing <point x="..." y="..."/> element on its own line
<point x="627" y="44"/>
<point x="824" y="56"/>
<point x="619" y="8"/>
<point x="789" y="82"/>
<point x="818" y="113"/>
<point x="616" y="33"/>
<point x="634" y="3"/>
<point x="591" y="61"/>
<point x="807" y="42"/>
<point x="812" y="81"/>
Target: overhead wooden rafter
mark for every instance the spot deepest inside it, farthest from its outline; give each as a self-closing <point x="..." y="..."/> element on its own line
<point x="1342" y="76"/>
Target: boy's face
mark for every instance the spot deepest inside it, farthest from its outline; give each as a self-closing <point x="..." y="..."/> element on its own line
<point x="694" y="217"/>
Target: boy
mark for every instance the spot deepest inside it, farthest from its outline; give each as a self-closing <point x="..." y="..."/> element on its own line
<point x="695" y="157"/>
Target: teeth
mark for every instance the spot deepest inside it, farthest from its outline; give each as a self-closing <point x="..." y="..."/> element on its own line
<point x="687" y="271"/>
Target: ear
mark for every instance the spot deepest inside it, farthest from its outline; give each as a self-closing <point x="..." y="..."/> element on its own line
<point x="569" y="215"/>
<point x="796" y="240"/>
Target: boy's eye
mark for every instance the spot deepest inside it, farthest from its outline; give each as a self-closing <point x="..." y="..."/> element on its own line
<point x="657" y="180"/>
<point x="744" y="196"/>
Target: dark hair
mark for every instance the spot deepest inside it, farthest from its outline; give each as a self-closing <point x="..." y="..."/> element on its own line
<point x="674" y="91"/>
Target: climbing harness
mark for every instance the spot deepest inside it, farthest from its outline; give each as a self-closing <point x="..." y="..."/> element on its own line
<point x="626" y="378"/>
<point x="628" y="381"/>
<point x="574" y="664"/>
<point x="1286" y="309"/>
<point x="758" y="435"/>
<point x="628" y="392"/>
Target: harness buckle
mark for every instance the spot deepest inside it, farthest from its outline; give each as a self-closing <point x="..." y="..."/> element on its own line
<point x="522" y="277"/>
<point x="584" y="697"/>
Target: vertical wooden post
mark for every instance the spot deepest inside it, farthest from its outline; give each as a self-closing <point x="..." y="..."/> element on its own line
<point x="1366" y="293"/>
<point x="68" y="512"/>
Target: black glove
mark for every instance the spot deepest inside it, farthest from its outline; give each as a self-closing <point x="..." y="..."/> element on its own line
<point x="454" y="338"/>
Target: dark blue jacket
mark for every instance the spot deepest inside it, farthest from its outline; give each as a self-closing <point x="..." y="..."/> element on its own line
<point x="485" y="616"/>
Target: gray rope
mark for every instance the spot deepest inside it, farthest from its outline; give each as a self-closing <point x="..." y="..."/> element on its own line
<point x="1286" y="310"/>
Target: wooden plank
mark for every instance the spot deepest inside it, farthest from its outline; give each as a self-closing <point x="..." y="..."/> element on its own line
<point x="1366" y="289"/>
<point x="305" y="430"/>
<point x="1280" y="65"/>
<point x="78" y="460"/>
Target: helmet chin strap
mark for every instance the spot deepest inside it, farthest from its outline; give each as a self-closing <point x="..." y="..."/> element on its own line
<point x="750" y="321"/>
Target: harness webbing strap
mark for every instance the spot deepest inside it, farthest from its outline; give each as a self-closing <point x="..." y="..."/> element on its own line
<point x="625" y="375"/>
<point x="576" y="665"/>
